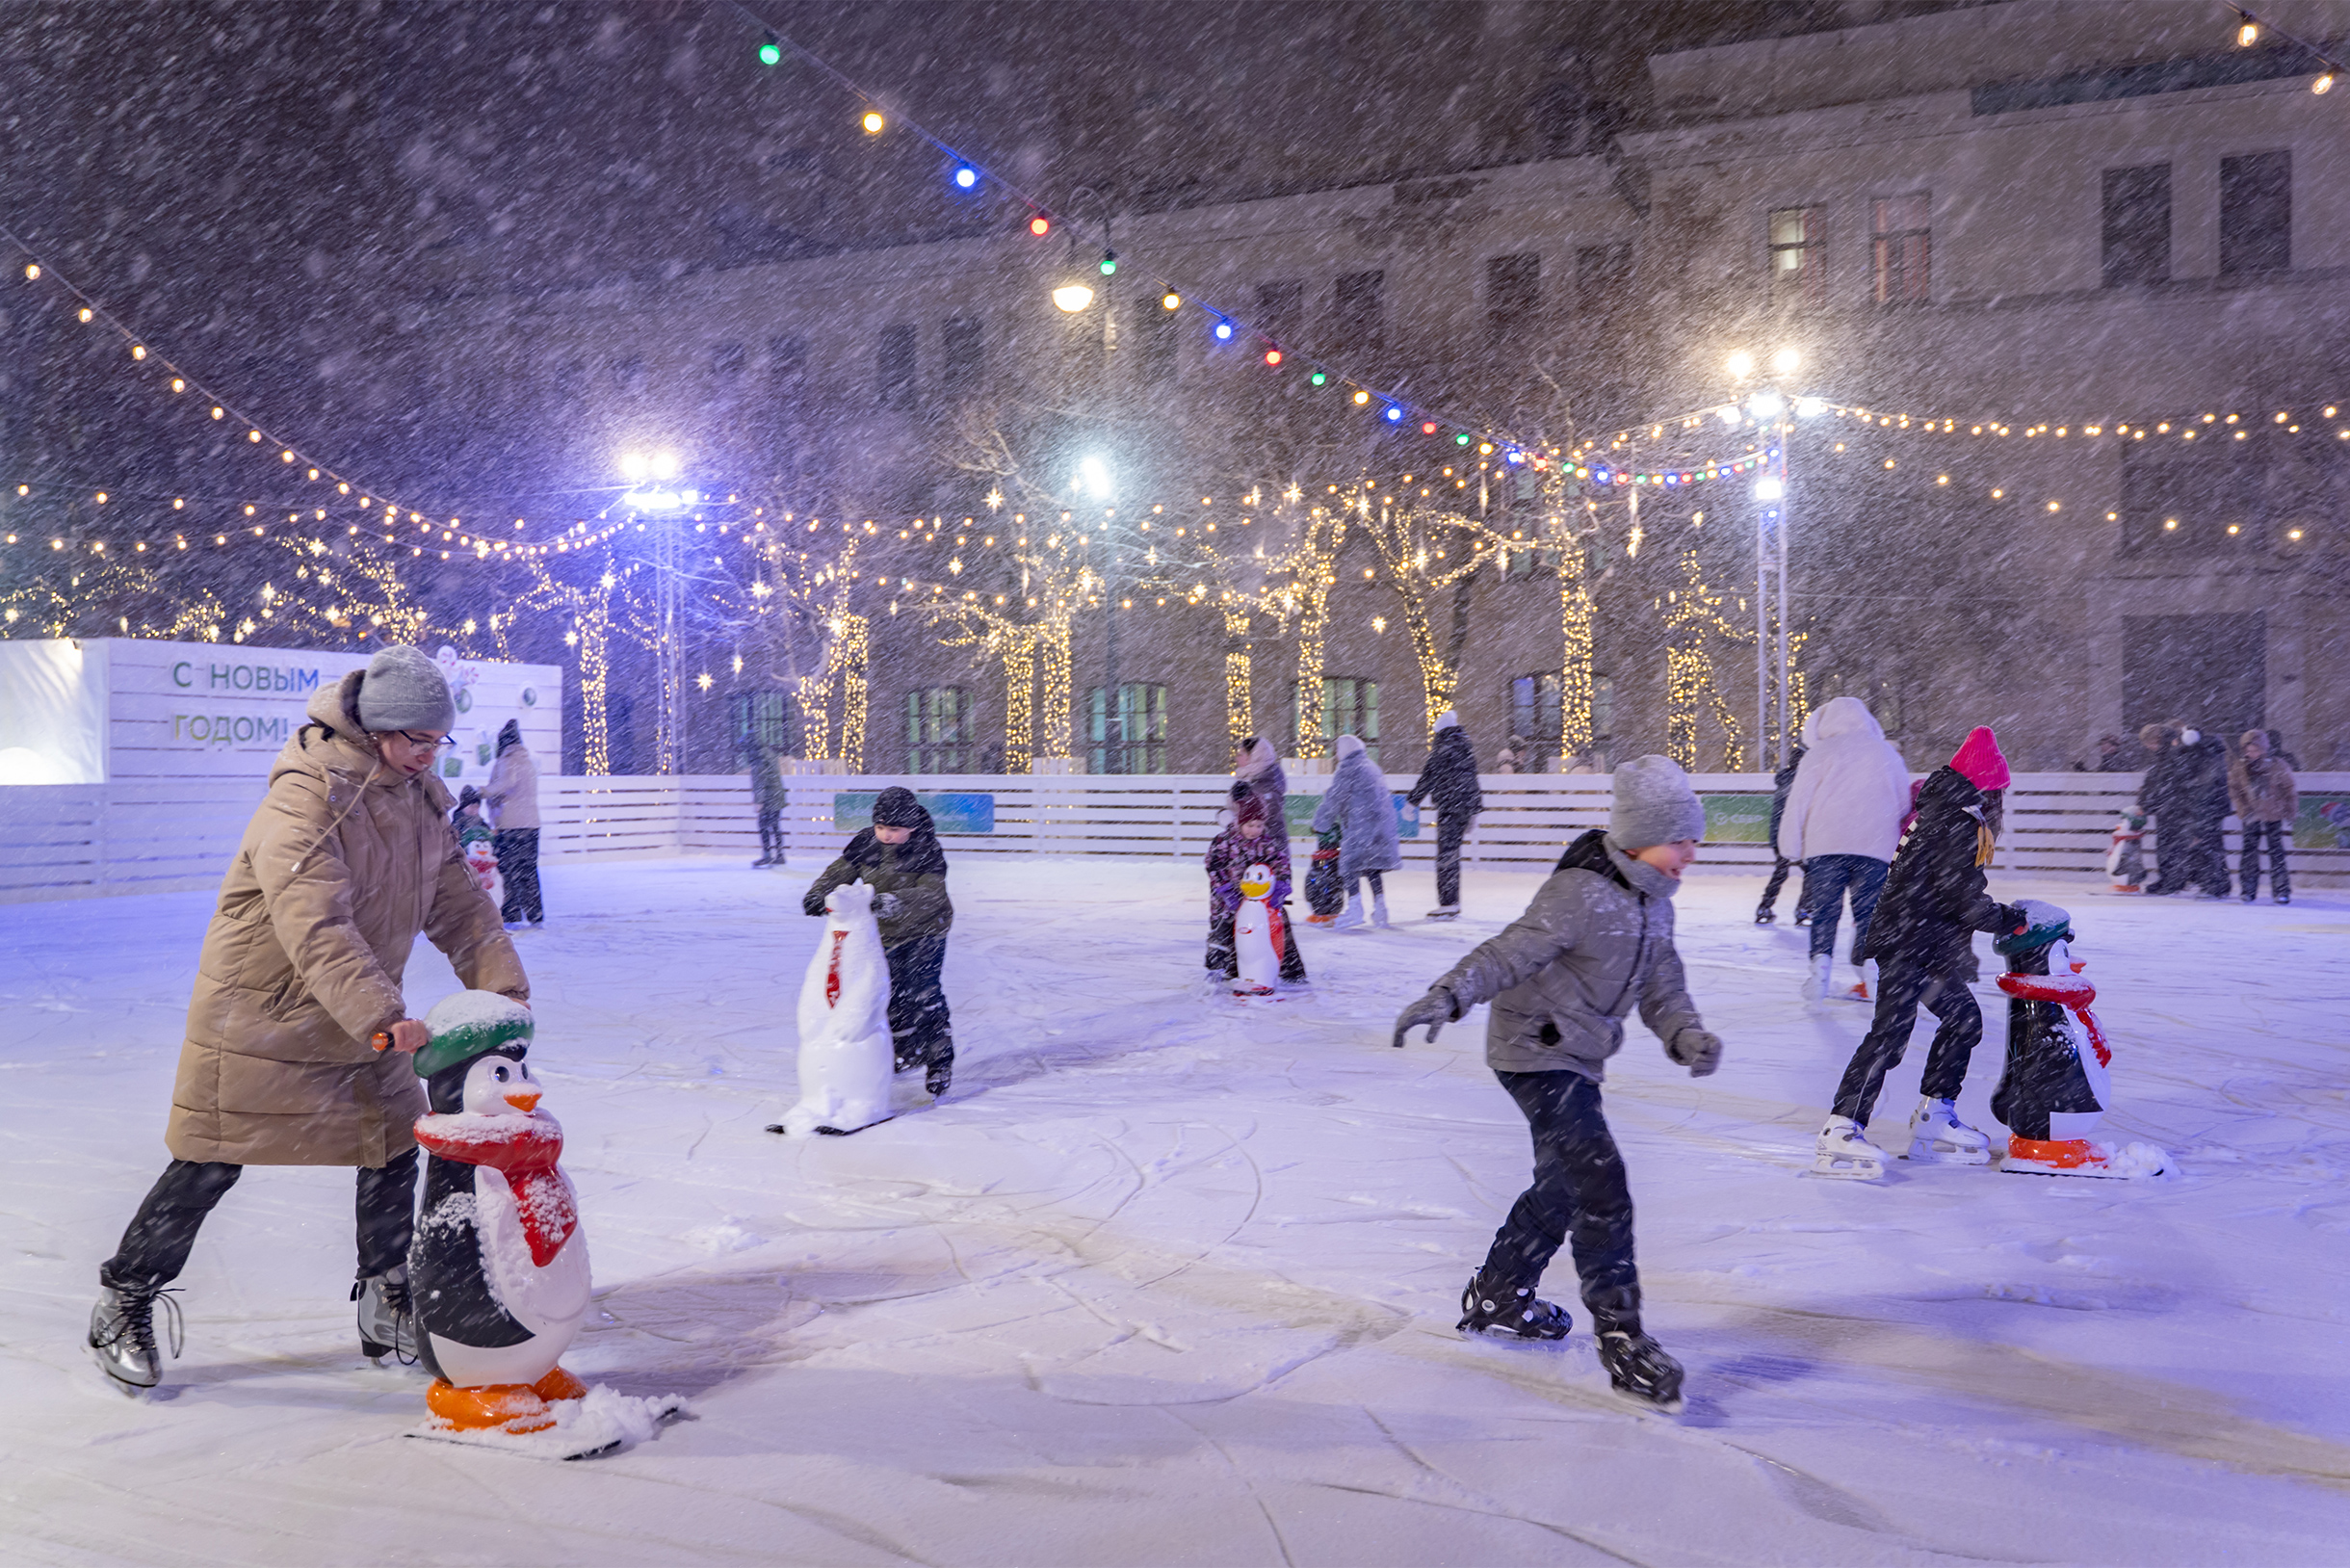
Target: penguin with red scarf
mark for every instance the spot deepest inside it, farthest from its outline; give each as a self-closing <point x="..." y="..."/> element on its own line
<point x="498" y="1270"/>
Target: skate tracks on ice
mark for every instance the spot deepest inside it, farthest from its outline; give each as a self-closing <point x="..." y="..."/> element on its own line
<point x="1172" y="1280"/>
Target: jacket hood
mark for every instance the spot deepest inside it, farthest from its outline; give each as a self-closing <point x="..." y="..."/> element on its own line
<point x="337" y="706"/>
<point x="1258" y="761"/>
<point x="346" y="751"/>
<point x="1350" y="745"/>
<point x="1946" y="786"/>
<point x="509" y="736"/>
<point x="1840" y="717"/>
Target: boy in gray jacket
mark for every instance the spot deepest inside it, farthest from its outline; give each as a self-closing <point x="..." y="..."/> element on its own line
<point x="1596" y="941"/>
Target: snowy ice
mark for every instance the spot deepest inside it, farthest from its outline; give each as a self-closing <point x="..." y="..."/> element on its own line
<point x="1168" y="1280"/>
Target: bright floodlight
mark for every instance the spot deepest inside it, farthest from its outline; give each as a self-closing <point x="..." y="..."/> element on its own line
<point x="1810" y="407"/>
<point x="1769" y="489"/>
<point x="664" y="465"/>
<point x="1742" y="364"/>
<point x="1765" y="404"/>
<point x="1073" y="297"/>
<point x="1093" y="475"/>
<point x="1785" y="360"/>
<point x="635" y="466"/>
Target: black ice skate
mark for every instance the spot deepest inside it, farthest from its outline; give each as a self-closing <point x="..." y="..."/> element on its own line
<point x="938" y="1077"/>
<point x="387" y="1322"/>
<point x="123" y="1335"/>
<point x="1640" y="1370"/>
<point x="1515" y="1311"/>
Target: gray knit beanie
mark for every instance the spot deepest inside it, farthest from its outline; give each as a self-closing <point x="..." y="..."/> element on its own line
<point x="1654" y="805"/>
<point x="404" y="690"/>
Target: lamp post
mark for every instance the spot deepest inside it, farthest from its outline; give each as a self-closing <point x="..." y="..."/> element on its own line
<point x="648" y="475"/>
<point x="1772" y="405"/>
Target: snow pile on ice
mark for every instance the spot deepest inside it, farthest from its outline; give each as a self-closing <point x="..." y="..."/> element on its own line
<point x="2138" y="1160"/>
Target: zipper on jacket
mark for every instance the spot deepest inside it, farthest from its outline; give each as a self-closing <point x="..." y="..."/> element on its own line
<point x="1639" y="959"/>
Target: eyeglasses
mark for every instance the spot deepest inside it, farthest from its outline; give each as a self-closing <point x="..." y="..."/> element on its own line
<point x="436" y="742"/>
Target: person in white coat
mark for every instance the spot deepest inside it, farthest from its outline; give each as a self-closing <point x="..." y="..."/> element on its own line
<point x="512" y="799"/>
<point x="1842" y="823"/>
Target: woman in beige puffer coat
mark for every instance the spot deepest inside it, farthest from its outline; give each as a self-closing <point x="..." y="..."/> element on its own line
<point x="347" y="859"/>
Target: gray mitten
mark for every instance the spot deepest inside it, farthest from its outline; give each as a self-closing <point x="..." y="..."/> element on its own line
<point x="886" y="905"/>
<point x="1697" y="1050"/>
<point x="1435" y="1009"/>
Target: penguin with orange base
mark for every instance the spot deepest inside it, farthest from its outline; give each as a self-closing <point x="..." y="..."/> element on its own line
<point x="2054" y="1088"/>
<point x="498" y="1270"/>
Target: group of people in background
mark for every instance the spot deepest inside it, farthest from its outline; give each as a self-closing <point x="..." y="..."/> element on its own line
<point x="2192" y="782"/>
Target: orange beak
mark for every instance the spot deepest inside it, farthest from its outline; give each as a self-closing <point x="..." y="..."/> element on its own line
<point x="522" y="1099"/>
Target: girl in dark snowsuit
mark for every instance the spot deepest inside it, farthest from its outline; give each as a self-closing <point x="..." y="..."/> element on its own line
<point x="1923" y="940"/>
<point x="899" y="858"/>
<point x="1247" y="842"/>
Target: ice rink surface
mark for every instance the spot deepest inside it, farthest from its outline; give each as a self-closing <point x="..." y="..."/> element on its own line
<point x="1172" y="1280"/>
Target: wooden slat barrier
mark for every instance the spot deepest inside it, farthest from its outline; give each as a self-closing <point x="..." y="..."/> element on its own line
<point x="163" y="834"/>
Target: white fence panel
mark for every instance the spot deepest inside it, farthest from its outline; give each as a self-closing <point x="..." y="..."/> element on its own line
<point x="161" y="834"/>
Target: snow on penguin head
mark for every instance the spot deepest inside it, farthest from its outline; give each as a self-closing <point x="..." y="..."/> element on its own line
<point x="477" y="1036"/>
<point x="849" y="901"/>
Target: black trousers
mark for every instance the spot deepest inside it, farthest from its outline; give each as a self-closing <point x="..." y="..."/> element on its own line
<point x="1901" y="988"/>
<point x="155" y="1249"/>
<point x="1451" y="830"/>
<point x="922" y="1034"/>
<point x="518" y="863"/>
<point x="2248" y="871"/>
<point x="2189" y="850"/>
<point x="1581" y="1195"/>
<point x="1780" y="866"/>
<point x="1224" y="959"/>
<point x="771" y="834"/>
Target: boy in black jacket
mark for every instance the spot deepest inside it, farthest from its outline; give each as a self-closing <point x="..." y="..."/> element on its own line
<point x="1449" y="774"/>
<point x="1922" y="938"/>
<point x="899" y="858"/>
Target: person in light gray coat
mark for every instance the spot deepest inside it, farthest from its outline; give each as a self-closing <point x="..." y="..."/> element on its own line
<point x="1596" y="942"/>
<point x="1358" y="803"/>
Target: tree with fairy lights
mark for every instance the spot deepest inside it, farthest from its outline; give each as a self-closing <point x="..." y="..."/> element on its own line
<point x="796" y="627"/>
<point x="93" y="591"/>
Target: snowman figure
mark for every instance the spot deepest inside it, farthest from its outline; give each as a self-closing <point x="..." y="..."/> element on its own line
<point x="1256" y="935"/>
<point x="846" y="1058"/>
<point x="498" y="1270"/>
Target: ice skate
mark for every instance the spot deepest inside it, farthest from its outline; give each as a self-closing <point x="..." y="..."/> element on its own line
<point x="1938" y="1138"/>
<point x="1766" y="917"/>
<point x="388" y="1323"/>
<point x="938" y="1077"/>
<point x="1638" y="1368"/>
<point x="1817" y="982"/>
<point x="1514" y="1311"/>
<point x="1446" y="911"/>
<point x="1349" y="918"/>
<point x="1378" y="910"/>
<point x="1844" y="1153"/>
<point x="123" y="1335"/>
<point x="1861" y="989"/>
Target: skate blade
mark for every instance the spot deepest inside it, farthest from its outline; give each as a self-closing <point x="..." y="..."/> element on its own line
<point x="1672" y="1406"/>
<point x="1846" y="1170"/>
<point x="847" y="1132"/>
<point x="1926" y="1152"/>
<point x="2033" y="1168"/>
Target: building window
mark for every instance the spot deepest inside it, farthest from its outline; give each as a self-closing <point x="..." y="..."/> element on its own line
<point x="1535" y="718"/>
<point x="1134" y="739"/>
<point x="2137" y="226"/>
<point x="760" y="722"/>
<point x="1602" y="274"/>
<point x="894" y="367"/>
<point x="2255" y="214"/>
<point x="1349" y="707"/>
<point x="1359" y="320"/>
<point x="962" y="363"/>
<point x="1523" y="559"/>
<point x="1156" y="341"/>
<point x="1799" y="254"/>
<point x="1902" y="248"/>
<point x="1513" y="295"/>
<point x="938" y="731"/>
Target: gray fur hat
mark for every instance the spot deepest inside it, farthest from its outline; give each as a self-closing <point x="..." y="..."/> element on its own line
<point x="1654" y="805"/>
<point x="405" y="690"/>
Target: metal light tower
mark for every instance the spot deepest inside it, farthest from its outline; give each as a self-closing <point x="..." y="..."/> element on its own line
<point x="666" y="509"/>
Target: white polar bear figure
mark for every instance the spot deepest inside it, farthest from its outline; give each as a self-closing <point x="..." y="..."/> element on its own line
<point x="845" y="1060"/>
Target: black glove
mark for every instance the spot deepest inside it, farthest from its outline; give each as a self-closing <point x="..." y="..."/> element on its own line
<point x="886" y="905"/>
<point x="1435" y="1009"/>
<point x="1697" y="1050"/>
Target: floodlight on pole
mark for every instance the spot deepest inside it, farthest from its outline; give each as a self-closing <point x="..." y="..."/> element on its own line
<point x="1073" y="297"/>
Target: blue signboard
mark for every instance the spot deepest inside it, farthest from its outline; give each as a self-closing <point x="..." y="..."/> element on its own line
<point x="951" y="813"/>
<point x="1297" y="810"/>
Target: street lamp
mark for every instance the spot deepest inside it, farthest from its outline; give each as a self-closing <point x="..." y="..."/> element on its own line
<point x="1768" y="405"/>
<point x="669" y="535"/>
<point x="1073" y="297"/>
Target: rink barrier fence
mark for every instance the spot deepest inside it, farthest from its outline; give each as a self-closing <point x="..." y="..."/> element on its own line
<point x="163" y="834"/>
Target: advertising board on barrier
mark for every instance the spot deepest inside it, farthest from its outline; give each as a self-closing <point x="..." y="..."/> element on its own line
<point x="952" y="812"/>
<point x="1736" y="818"/>
<point x="96" y="709"/>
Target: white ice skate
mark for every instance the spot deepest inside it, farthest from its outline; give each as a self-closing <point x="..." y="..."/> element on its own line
<point x="1349" y="918"/>
<point x="1938" y="1138"/>
<point x="1864" y="989"/>
<point x="1845" y="1154"/>
<point x="1817" y="982"/>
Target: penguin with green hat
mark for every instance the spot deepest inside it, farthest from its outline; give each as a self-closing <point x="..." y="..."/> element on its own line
<point x="498" y="1270"/>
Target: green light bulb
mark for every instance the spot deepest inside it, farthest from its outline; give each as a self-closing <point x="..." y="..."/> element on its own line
<point x="1110" y="262"/>
<point x="770" y="53"/>
<point x="1319" y="379"/>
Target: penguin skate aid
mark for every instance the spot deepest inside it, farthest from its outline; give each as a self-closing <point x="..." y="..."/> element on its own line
<point x="2055" y="1085"/>
<point x="276" y="1068"/>
<point x="499" y="1265"/>
<point x="1250" y="944"/>
<point x="1596" y="942"/>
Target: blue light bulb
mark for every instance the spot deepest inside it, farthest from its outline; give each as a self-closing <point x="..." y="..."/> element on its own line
<point x="1223" y="330"/>
<point x="966" y="176"/>
<point x="1394" y="414"/>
